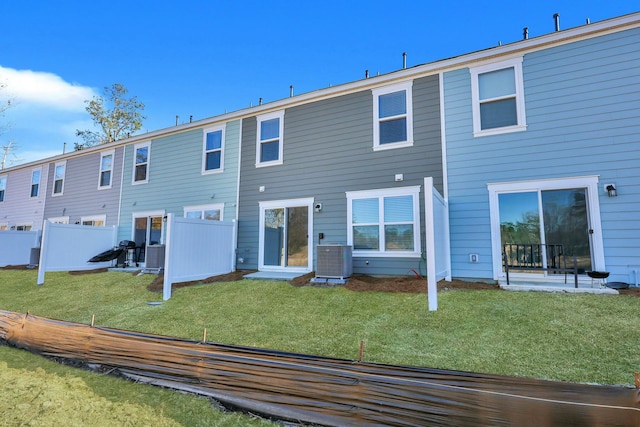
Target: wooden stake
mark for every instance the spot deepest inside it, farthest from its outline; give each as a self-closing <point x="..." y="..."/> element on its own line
<point x="361" y="351"/>
<point x="93" y="319"/>
<point x="204" y="336"/>
<point x="637" y="376"/>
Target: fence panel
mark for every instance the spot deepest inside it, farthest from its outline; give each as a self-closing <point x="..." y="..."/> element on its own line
<point x="68" y="247"/>
<point x="197" y="249"/>
<point x="15" y="247"/>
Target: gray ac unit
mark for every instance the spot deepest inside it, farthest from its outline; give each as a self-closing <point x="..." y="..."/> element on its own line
<point x="154" y="257"/>
<point x="34" y="257"/>
<point x="334" y="261"/>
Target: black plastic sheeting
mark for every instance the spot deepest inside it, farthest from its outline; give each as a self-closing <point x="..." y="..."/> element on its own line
<point x="327" y="391"/>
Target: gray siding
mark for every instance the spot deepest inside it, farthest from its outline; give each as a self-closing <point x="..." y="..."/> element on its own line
<point x="18" y="206"/>
<point x="81" y="196"/>
<point x="328" y="150"/>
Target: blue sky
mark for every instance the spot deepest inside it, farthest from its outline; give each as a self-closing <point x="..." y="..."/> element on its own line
<point x="202" y="58"/>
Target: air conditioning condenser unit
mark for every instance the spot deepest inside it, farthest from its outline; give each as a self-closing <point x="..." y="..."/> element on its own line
<point x="334" y="261"/>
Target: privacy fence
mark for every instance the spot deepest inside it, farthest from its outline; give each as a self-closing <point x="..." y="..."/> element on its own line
<point x="326" y="391"/>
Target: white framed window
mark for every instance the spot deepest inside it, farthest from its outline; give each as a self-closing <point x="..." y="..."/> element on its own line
<point x="59" y="220"/>
<point x="94" y="220"/>
<point x="3" y="187"/>
<point x="58" y="178"/>
<point x="141" y="154"/>
<point x="497" y="92"/>
<point x="213" y="150"/>
<point x="35" y="182"/>
<point x="211" y="212"/>
<point x="393" y="116"/>
<point x="269" y="139"/>
<point x="23" y="226"/>
<point x="384" y="222"/>
<point x="106" y="169"/>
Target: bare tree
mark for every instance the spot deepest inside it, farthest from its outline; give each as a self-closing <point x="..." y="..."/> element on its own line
<point x="115" y="115"/>
<point x="10" y="147"/>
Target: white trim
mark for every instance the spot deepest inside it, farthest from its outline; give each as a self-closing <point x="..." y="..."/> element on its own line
<point x="202" y="208"/>
<point x="290" y="203"/>
<point x="264" y="117"/>
<point x="148" y="163"/>
<point x="34" y="170"/>
<point x="590" y="183"/>
<point x="104" y="154"/>
<point x="380" y="194"/>
<point x="516" y="64"/>
<point x="4" y="177"/>
<point x="407" y="87"/>
<point x="64" y="174"/>
<point x="205" y="132"/>
<point x="443" y="141"/>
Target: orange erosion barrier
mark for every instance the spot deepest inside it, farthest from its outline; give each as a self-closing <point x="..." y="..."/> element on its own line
<point x="326" y="391"/>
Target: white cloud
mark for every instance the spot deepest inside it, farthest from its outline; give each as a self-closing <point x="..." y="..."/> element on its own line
<point x="38" y="88"/>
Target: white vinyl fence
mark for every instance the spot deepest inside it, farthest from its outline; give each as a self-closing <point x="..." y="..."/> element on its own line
<point x="437" y="238"/>
<point x="197" y="249"/>
<point x="67" y="247"/>
<point x="15" y="247"/>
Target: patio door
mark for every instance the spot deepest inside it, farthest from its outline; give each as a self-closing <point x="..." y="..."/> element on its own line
<point x="548" y="219"/>
<point x="147" y="230"/>
<point x="285" y="235"/>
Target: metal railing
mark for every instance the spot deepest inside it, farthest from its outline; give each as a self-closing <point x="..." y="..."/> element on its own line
<point x="538" y="257"/>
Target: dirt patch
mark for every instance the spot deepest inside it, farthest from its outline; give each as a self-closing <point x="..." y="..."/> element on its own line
<point x="357" y="283"/>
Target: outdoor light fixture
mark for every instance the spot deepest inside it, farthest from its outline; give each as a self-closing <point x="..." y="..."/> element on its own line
<point x="611" y="190"/>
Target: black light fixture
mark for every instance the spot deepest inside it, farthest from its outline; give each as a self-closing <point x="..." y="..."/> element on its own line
<point x="611" y="190"/>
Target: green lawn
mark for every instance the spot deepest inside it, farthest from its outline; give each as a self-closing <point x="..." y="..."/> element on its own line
<point x="583" y="338"/>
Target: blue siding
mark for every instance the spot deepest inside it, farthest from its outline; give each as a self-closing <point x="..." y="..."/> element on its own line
<point x="583" y="116"/>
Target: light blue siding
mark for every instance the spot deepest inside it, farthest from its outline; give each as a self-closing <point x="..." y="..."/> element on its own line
<point x="583" y="116"/>
<point x="175" y="178"/>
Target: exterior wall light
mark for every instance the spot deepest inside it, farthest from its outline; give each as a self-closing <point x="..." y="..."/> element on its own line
<point x="611" y="190"/>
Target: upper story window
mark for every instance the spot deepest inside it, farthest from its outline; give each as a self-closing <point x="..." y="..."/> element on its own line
<point x="384" y="222"/>
<point x="35" y="182"/>
<point x="393" y="116"/>
<point x="269" y="140"/>
<point x="141" y="163"/>
<point x="106" y="169"/>
<point x="498" y="98"/>
<point x="3" y="187"/>
<point x="58" y="178"/>
<point x="210" y="212"/>
<point x="213" y="150"/>
<point x="59" y="220"/>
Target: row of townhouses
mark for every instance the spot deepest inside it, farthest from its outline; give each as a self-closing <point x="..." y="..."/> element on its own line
<point x="536" y="141"/>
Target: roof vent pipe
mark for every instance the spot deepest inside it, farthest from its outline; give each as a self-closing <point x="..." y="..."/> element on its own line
<point x="177" y="118"/>
<point x="191" y="118"/>
<point x="525" y="33"/>
<point x="404" y="60"/>
<point x="291" y="91"/>
<point x="556" y="18"/>
<point x="588" y="21"/>
<point x="366" y="74"/>
<point x="260" y="101"/>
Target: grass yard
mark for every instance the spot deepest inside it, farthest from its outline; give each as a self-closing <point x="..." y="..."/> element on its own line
<point x="581" y="338"/>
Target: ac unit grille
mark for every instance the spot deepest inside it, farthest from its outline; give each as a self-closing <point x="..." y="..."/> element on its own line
<point x="334" y="261"/>
<point x="155" y="256"/>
